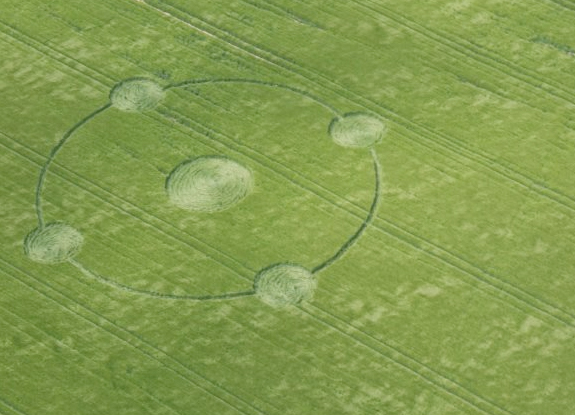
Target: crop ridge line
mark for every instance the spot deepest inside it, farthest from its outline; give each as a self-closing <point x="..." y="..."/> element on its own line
<point x="136" y="63"/>
<point x="273" y="166"/>
<point x="207" y="250"/>
<point x="154" y="294"/>
<point x="131" y="339"/>
<point x="408" y="363"/>
<point x="225" y="142"/>
<point x="11" y="406"/>
<point x="564" y="5"/>
<point x="173" y="17"/>
<point x="54" y="54"/>
<point x="537" y="187"/>
<point x="54" y="152"/>
<point x="135" y="259"/>
<point x="127" y="212"/>
<point x="65" y="69"/>
<point x="396" y="118"/>
<point x="550" y="310"/>
<point x="444" y="39"/>
<point x="488" y="86"/>
<point x="283" y="12"/>
<point x="339" y="375"/>
<point x="38" y="162"/>
<point x="552" y="195"/>
<point x="83" y="357"/>
<point x="257" y="82"/>
<point x="91" y="77"/>
<point x="300" y="75"/>
<point x="466" y="47"/>
<point x="563" y="199"/>
<point x="480" y="274"/>
<point x="118" y="207"/>
<point x="429" y="39"/>
<point x="518" y="294"/>
<point x="94" y="73"/>
<point x="504" y="170"/>
<point x="523" y="297"/>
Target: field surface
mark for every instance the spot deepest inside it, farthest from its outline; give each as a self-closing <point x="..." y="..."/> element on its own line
<point x="287" y="207"/>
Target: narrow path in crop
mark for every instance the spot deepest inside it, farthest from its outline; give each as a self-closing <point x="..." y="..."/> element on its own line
<point x="538" y="187"/>
<point x="240" y="81"/>
<point x="224" y="296"/>
<point x="440" y="141"/>
<point x="336" y="254"/>
<point x="410" y="132"/>
<point x="154" y="294"/>
<point x="65" y="138"/>
<point x="11" y="407"/>
<point x="365" y="224"/>
<point x="130" y="339"/>
<point x="414" y="132"/>
<point x="86" y="364"/>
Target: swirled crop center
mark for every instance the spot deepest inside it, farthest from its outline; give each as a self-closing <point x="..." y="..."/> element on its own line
<point x="357" y="130"/>
<point x="136" y="95"/>
<point x="53" y="243"/>
<point x="208" y="184"/>
<point x="283" y="285"/>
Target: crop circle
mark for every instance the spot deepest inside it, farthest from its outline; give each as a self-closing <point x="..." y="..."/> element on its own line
<point x="357" y="130"/>
<point x="283" y="285"/>
<point x="208" y="184"/>
<point x="136" y="95"/>
<point x="54" y="243"/>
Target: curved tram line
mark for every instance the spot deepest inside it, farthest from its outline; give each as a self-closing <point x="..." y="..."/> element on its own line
<point x="278" y="285"/>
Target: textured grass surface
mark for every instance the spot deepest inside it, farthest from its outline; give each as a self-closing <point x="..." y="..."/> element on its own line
<point x="457" y="299"/>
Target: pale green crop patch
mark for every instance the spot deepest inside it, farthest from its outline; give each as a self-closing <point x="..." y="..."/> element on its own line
<point x="272" y="207"/>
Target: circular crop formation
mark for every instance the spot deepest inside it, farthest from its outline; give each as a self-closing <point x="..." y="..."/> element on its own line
<point x="53" y="243"/>
<point x="208" y="184"/>
<point x="357" y="130"/>
<point x="284" y="284"/>
<point x="136" y="95"/>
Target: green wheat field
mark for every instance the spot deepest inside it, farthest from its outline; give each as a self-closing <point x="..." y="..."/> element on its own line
<point x="287" y="207"/>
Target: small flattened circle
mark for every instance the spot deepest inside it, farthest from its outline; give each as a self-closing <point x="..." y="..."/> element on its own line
<point x="136" y="95"/>
<point x="208" y="184"/>
<point x="357" y="130"/>
<point x="54" y="243"/>
<point x="283" y="285"/>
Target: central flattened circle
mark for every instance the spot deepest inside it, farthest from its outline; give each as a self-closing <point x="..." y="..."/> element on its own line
<point x="208" y="184"/>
